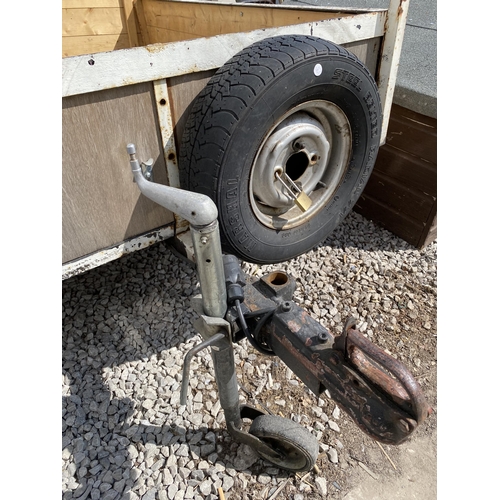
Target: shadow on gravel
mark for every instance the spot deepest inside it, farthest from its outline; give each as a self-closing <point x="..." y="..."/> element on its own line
<point x="129" y="313"/>
<point x="126" y="328"/>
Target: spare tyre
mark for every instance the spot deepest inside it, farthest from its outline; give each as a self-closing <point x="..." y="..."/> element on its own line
<point x="294" y="105"/>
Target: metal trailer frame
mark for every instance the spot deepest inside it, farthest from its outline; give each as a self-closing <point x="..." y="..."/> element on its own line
<point x="158" y="62"/>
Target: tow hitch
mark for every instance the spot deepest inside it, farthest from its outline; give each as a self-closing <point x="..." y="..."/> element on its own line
<point x="376" y="390"/>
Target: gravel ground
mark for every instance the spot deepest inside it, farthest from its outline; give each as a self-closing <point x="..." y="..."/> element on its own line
<point x="128" y="324"/>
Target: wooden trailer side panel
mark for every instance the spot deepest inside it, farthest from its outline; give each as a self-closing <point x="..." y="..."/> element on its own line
<point x="101" y="206"/>
<point x="177" y="21"/>
<point x="90" y="26"/>
<point x="94" y="26"/>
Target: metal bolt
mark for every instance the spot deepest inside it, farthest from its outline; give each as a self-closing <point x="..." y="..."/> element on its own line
<point x="286" y="306"/>
<point x="204" y="240"/>
<point x="323" y="337"/>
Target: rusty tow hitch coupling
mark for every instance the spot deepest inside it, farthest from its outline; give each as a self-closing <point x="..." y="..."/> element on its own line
<point x="376" y="390"/>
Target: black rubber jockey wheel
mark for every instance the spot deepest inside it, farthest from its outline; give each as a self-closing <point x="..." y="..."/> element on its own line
<point x="297" y="446"/>
<point x="286" y="108"/>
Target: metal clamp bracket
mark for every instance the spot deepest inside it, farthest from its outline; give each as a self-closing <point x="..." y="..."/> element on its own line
<point x="208" y="326"/>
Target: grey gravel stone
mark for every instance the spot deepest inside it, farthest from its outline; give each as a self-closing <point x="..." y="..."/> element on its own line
<point x="150" y="494"/>
<point x="320" y="482"/>
<point x="245" y="457"/>
<point x="172" y="490"/>
<point x="167" y="477"/>
<point x="227" y="483"/>
<point x="264" y="479"/>
<point x="333" y="455"/>
<point x="183" y="450"/>
<point x="333" y="425"/>
<point x="206" y="449"/>
<point x="205" y="487"/>
<point x="198" y="475"/>
<point x="132" y="452"/>
<point x="336" y="412"/>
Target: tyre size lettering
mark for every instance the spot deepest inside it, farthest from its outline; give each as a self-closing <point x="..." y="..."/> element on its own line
<point x="235" y="224"/>
<point x="232" y="206"/>
<point x="232" y="193"/>
<point x="232" y="188"/>
<point x="348" y="173"/>
<point x="365" y="174"/>
<point x="372" y="112"/>
<point x="296" y="232"/>
<point x="333" y="204"/>
<point x="243" y="238"/>
<point x="234" y="219"/>
<point x="371" y="153"/>
<point x="249" y="245"/>
<point x="347" y="208"/>
<point x="236" y="230"/>
<point x="342" y="75"/>
<point x="355" y="137"/>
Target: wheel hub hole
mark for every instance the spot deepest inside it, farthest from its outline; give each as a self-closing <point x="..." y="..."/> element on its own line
<point x="296" y="165"/>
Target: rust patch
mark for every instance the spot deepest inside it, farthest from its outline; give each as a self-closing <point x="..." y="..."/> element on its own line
<point x="155" y="48"/>
<point x="171" y="156"/>
<point x="294" y="326"/>
<point x="400" y="8"/>
<point x="378" y="377"/>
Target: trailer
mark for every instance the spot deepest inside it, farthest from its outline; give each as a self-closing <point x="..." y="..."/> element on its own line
<point x="254" y="129"/>
<point x="132" y="72"/>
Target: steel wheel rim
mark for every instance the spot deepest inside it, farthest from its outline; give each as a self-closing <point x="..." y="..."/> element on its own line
<point x="312" y="144"/>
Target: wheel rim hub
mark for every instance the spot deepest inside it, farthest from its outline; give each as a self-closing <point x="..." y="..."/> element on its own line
<point x="311" y="144"/>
